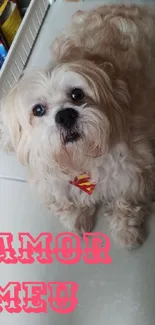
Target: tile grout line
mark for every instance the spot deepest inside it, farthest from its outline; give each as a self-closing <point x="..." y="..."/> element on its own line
<point x="13" y="179"/>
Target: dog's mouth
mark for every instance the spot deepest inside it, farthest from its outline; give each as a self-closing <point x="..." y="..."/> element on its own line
<point x="71" y="136"/>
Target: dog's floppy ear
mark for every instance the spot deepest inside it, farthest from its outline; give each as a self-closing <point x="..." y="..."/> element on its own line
<point x="102" y="63"/>
<point x="64" y="50"/>
<point x="108" y="67"/>
<point x="10" y="128"/>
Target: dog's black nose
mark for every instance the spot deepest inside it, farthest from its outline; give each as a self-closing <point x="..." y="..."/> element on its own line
<point x="66" y="117"/>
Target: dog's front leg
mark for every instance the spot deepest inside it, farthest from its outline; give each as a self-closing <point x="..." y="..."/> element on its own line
<point x="131" y="206"/>
<point x="127" y="222"/>
<point x="76" y="219"/>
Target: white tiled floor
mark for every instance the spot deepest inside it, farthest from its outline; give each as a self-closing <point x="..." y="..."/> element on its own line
<point x="122" y="293"/>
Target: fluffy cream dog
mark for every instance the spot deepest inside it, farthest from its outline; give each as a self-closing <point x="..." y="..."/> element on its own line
<point x="92" y="110"/>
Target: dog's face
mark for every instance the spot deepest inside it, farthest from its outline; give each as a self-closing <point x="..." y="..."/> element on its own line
<point x="61" y="120"/>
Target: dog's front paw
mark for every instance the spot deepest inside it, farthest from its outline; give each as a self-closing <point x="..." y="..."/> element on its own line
<point x="131" y="237"/>
<point x="78" y="220"/>
<point x="127" y="223"/>
<point x="84" y="223"/>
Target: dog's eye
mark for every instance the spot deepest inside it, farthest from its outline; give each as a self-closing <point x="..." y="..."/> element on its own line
<point x="77" y="94"/>
<point x="39" y="110"/>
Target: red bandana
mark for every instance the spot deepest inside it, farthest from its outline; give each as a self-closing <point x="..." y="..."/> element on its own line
<point x="84" y="184"/>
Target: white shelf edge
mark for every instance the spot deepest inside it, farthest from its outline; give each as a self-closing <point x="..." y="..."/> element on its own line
<point x="22" y="44"/>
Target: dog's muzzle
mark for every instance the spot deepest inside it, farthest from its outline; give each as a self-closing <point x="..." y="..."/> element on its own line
<point x="66" y="119"/>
